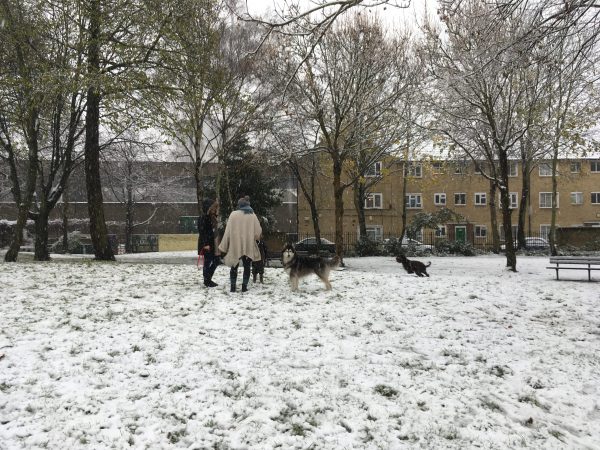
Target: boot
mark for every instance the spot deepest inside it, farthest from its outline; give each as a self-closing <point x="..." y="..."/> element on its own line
<point x="244" y="288"/>
<point x="210" y="283"/>
<point x="254" y="278"/>
<point x="233" y="278"/>
<point x="261" y="279"/>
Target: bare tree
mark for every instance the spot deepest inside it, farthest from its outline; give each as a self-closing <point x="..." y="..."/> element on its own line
<point x="192" y="76"/>
<point x="481" y="94"/>
<point x="350" y="83"/>
<point x="132" y="179"/>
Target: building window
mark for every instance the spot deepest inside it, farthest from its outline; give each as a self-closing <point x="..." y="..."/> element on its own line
<point x="413" y="201"/>
<point x="546" y="199"/>
<point x="375" y="232"/>
<point x="414" y="170"/>
<point x="439" y="199"/>
<point x="374" y="201"/>
<point x="545" y="231"/>
<point x="576" y="198"/>
<point x="374" y="170"/>
<point x="460" y="167"/>
<point x="460" y="198"/>
<point x="595" y="198"/>
<point x="575" y="167"/>
<point x="437" y="167"/>
<point x="595" y="166"/>
<point x="514" y="200"/>
<point x="290" y="196"/>
<point x="513" y="168"/>
<point x="480" y="231"/>
<point x="545" y="169"/>
<point x="441" y="231"/>
<point x="480" y="198"/>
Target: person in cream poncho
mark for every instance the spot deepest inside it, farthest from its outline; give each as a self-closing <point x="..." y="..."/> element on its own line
<point x="239" y="242"/>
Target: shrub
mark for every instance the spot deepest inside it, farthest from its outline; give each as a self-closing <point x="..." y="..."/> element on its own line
<point x="75" y="243"/>
<point x="367" y="247"/>
<point x="446" y="247"/>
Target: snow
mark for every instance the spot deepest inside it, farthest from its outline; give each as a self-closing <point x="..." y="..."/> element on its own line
<point x="112" y="355"/>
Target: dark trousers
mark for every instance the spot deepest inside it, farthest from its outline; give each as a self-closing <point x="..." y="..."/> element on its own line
<point x="233" y="273"/>
<point x="210" y="265"/>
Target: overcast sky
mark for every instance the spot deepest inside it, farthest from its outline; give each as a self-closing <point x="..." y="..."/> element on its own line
<point x="391" y="14"/>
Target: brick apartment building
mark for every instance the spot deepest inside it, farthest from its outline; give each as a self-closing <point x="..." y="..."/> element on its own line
<point x="457" y="185"/>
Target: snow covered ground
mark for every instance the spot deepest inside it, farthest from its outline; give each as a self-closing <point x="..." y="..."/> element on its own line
<point x="102" y="355"/>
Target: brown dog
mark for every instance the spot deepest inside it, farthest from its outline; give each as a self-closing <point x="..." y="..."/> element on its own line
<point x="413" y="266"/>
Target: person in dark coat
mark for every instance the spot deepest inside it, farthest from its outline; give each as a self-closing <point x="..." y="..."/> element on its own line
<point x="208" y="240"/>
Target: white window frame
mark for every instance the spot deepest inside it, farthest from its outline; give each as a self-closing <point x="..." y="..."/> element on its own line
<point x="373" y="197"/>
<point x="548" y="193"/>
<point x="545" y="169"/>
<point x="374" y="170"/>
<point x="575" y="166"/>
<point x="460" y="167"/>
<point x="439" y="199"/>
<point x="595" y="166"/>
<point x="597" y="195"/>
<point x="513" y="169"/>
<point x="480" y="198"/>
<point x="441" y="231"/>
<point x="375" y="232"/>
<point x="480" y="231"/>
<point x="417" y="197"/>
<point x="464" y="194"/>
<point x="576" y="198"/>
<point x="414" y="170"/>
<point x="513" y="198"/>
<point x="437" y="167"/>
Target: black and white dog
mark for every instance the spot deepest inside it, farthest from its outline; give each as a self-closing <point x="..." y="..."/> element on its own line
<point x="299" y="267"/>
<point x="413" y="266"/>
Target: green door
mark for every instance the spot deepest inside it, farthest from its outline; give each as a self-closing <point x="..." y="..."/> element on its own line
<point x="460" y="234"/>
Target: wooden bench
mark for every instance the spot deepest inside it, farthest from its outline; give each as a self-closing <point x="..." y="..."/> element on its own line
<point x="575" y="263"/>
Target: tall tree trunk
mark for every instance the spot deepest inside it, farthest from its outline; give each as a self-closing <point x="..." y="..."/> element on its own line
<point x="403" y="193"/>
<point x="129" y="223"/>
<point x="41" y="252"/>
<point x="494" y="218"/>
<point x="359" y="204"/>
<point x="511" y="256"/>
<point x="65" y="220"/>
<point x="26" y="198"/>
<point x="524" y="202"/>
<point x="338" y="194"/>
<point x="552" y="237"/>
<point x="98" y="231"/>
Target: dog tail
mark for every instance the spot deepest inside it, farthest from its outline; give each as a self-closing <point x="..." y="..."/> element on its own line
<point x="428" y="264"/>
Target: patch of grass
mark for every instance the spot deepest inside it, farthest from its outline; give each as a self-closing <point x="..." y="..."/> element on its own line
<point x="296" y="324"/>
<point x="175" y="436"/>
<point x="491" y="405"/>
<point x="557" y="434"/>
<point x="385" y="390"/>
<point x="136" y="348"/>
<point x="450" y="434"/>
<point x="4" y="386"/>
<point x="532" y="400"/>
<point x="500" y="371"/>
<point x="298" y="430"/>
<point x="422" y="405"/>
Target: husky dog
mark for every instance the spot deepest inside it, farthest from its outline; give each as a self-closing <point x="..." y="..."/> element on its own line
<point x="413" y="266"/>
<point x="299" y="267"/>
